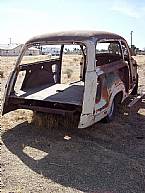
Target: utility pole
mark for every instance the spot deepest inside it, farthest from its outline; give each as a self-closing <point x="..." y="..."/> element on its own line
<point x="131" y="37"/>
<point x="10" y="41"/>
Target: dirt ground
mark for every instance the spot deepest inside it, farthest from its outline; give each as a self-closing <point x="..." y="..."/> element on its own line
<point x="105" y="158"/>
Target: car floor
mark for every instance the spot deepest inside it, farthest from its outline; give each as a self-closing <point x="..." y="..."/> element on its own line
<point x="62" y="93"/>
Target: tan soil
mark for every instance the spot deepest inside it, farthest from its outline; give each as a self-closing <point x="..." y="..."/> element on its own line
<point x="105" y="158"/>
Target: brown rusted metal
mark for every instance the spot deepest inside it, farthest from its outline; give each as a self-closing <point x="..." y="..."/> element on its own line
<point x="47" y="110"/>
<point x="43" y="70"/>
<point x="74" y="36"/>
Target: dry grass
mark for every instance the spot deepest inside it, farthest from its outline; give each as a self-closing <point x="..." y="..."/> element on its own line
<point x="68" y="72"/>
<point x="103" y="158"/>
<point x="141" y="70"/>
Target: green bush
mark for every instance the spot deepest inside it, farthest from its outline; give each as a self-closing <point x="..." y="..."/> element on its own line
<point x="68" y="72"/>
<point x="1" y="74"/>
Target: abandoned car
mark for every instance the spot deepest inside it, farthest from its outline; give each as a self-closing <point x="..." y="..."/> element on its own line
<point x="93" y="73"/>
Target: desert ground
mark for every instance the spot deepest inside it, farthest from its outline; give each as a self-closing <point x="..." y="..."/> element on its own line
<point x="105" y="158"/>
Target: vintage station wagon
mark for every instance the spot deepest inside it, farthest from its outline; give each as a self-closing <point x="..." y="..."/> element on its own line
<point x="93" y="73"/>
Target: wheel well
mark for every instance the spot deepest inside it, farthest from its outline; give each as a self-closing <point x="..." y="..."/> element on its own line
<point x="118" y="97"/>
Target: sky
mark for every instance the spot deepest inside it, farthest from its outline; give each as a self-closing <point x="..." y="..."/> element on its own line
<point x="23" y="19"/>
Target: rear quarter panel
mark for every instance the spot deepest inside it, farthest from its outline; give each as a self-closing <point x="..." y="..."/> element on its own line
<point x="112" y="80"/>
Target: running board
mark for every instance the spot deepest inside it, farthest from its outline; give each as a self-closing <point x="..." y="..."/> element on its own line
<point x="136" y="100"/>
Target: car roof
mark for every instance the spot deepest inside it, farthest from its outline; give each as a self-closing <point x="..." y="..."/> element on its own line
<point x="69" y="36"/>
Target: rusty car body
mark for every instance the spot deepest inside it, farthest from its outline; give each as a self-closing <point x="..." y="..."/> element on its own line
<point x="107" y="77"/>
